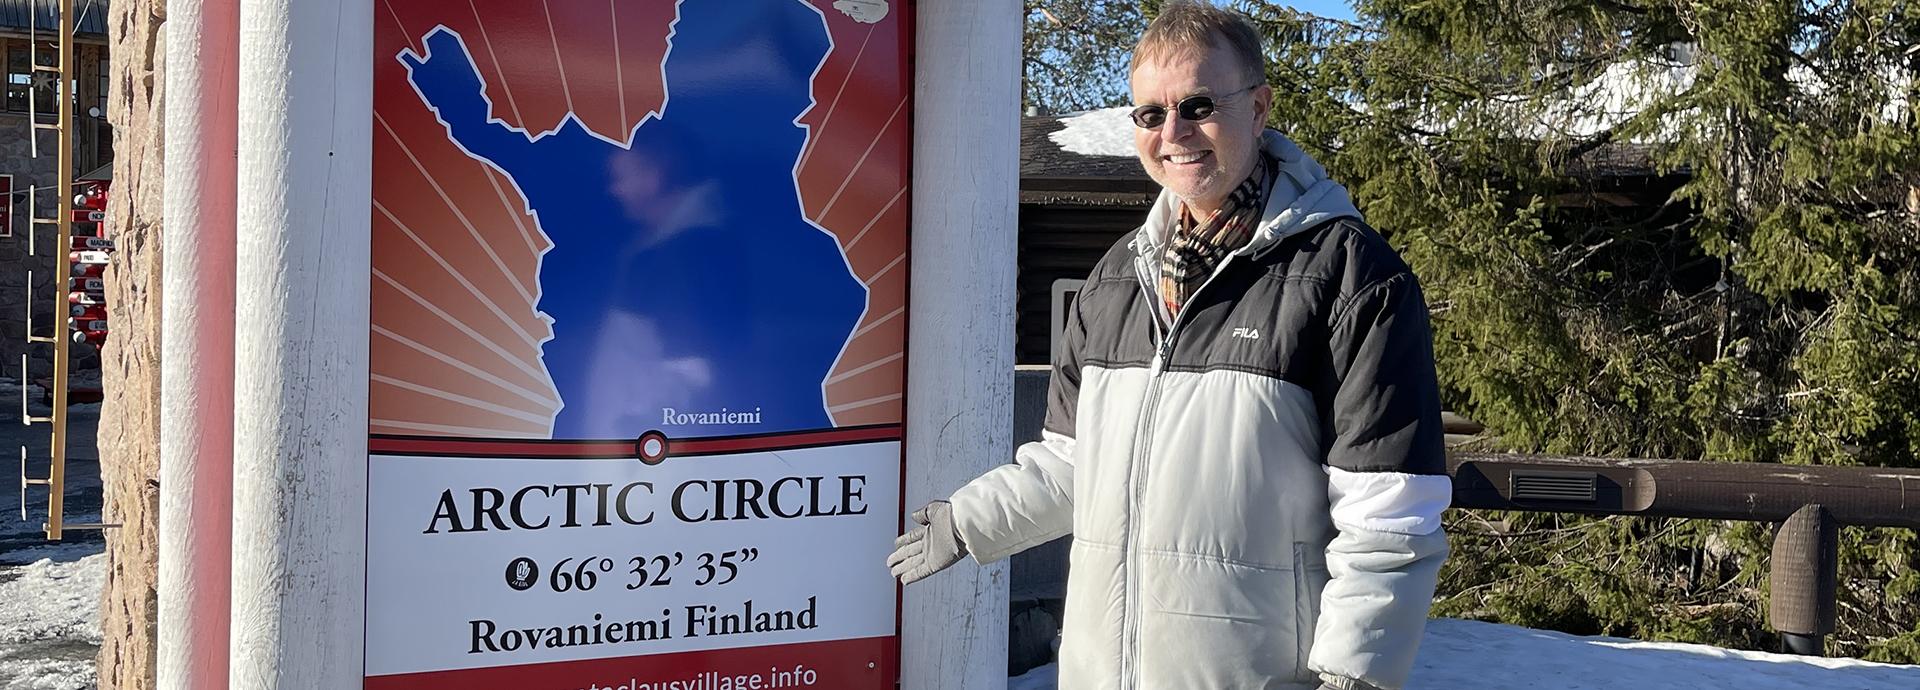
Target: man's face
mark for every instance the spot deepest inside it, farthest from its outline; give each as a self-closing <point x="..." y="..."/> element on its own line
<point x="1200" y="161"/>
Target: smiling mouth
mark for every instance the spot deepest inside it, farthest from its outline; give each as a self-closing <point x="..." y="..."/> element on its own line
<point x="1185" y="158"/>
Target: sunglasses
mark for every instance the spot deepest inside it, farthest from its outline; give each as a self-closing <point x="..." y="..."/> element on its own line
<point x="1191" y="108"/>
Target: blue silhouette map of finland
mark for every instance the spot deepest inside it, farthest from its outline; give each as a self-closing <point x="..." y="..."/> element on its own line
<point x="687" y="291"/>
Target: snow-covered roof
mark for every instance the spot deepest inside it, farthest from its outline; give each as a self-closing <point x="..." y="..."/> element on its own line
<point x="1624" y="89"/>
<point x="1106" y="132"/>
<point x="1053" y="174"/>
<point x="1099" y="144"/>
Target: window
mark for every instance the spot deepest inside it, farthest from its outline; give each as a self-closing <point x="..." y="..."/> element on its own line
<point x="24" y="83"/>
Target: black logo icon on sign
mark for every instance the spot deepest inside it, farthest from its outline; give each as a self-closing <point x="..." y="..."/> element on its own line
<point x="522" y="574"/>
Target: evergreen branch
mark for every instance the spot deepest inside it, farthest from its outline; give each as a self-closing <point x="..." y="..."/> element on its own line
<point x="1524" y="534"/>
<point x="1591" y="250"/>
<point x="1622" y="7"/>
<point x="1678" y="102"/>
<point x="1804" y="393"/>
<point x="1355" y="27"/>
<point x="1053" y="70"/>
<point x="1592" y="144"/>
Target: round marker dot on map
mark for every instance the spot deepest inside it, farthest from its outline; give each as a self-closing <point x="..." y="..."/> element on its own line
<point x="651" y="447"/>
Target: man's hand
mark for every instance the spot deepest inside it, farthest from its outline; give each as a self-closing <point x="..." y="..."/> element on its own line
<point x="929" y="548"/>
<point x="1337" y="683"/>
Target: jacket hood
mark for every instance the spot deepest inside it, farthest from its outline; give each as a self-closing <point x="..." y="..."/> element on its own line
<point x="1303" y="196"/>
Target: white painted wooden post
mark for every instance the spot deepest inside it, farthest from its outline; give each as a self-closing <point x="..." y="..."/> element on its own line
<point x="196" y="345"/>
<point x="960" y="350"/>
<point x="300" y="393"/>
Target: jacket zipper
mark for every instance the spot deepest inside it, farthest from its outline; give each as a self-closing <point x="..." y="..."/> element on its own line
<point x="1137" y="473"/>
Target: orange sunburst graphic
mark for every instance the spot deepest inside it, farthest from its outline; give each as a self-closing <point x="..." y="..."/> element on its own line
<point x="457" y="337"/>
<point x="853" y="182"/>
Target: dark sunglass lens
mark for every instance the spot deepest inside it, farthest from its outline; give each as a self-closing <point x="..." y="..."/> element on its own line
<point x="1196" y="108"/>
<point x="1149" y="116"/>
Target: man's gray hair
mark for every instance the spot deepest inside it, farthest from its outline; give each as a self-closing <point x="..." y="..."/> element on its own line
<point x="1187" y="25"/>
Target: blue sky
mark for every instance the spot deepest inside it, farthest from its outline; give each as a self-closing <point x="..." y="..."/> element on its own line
<point x="1325" y="8"/>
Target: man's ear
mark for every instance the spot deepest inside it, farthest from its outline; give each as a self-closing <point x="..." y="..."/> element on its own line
<point x="1262" y="106"/>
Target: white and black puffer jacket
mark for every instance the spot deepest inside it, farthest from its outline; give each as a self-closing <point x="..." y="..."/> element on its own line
<point x="1254" y="486"/>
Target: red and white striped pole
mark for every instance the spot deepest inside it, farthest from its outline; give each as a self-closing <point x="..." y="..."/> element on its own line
<point x="196" y="344"/>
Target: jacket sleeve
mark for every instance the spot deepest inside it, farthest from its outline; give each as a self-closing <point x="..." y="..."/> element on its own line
<point x="1386" y="484"/>
<point x="1029" y="502"/>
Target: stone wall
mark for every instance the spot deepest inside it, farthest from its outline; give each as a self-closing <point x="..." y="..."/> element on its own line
<point x="129" y="419"/>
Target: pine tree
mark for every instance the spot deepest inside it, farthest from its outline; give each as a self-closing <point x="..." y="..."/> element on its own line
<point x="1075" y="52"/>
<point x="1647" y="228"/>
<point x="1672" y="228"/>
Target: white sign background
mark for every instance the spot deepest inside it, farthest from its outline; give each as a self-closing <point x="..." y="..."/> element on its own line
<point x="424" y="589"/>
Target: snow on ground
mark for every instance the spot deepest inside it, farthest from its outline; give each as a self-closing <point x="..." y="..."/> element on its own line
<point x="60" y="552"/>
<point x="1488" y="656"/>
<point x="50" y="621"/>
<point x="49" y="592"/>
<point x="1470" y="655"/>
<point x="1043" y="678"/>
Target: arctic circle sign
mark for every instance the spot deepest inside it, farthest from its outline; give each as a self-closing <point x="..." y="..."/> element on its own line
<point x="637" y="344"/>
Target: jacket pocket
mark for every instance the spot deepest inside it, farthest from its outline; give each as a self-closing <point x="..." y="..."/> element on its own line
<point x="1206" y="623"/>
<point x="1309" y="583"/>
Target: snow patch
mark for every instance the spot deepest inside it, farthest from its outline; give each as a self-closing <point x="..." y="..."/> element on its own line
<point x="62" y="552"/>
<point x="1042" y="678"/>
<point x="50" y="623"/>
<point x="47" y="674"/>
<point x="1456" y="654"/>
<point x="1104" y="132"/>
<point x="1629" y="87"/>
<point x="53" y="600"/>
<point x="863" y="11"/>
<point x="1625" y="89"/>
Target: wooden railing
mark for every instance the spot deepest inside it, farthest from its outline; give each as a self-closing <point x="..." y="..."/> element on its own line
<point x="1810" y="503"/>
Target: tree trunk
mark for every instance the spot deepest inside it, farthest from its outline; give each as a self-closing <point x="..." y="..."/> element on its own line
<point x="129" y="436"/>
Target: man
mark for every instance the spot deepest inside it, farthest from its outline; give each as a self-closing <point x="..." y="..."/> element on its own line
<point x="1243" y="426"/>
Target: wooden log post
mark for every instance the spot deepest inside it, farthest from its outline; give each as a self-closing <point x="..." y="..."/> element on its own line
<point x="300" y="350"/>
<point x="960" y="344"/>
<point x="1805" y="577"/>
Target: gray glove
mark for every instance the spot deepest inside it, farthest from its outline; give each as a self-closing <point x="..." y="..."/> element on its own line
<point x="929" y="548"/>
<point x="1330" y="682"/>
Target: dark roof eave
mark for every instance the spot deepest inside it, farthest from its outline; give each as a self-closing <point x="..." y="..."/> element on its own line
<point x="1136" y="184"/>
<point x="23" y="18"/>
<point x="1086" y="199"/>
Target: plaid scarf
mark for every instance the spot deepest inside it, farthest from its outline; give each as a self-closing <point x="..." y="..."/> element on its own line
<point x="1195" y="249"/>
